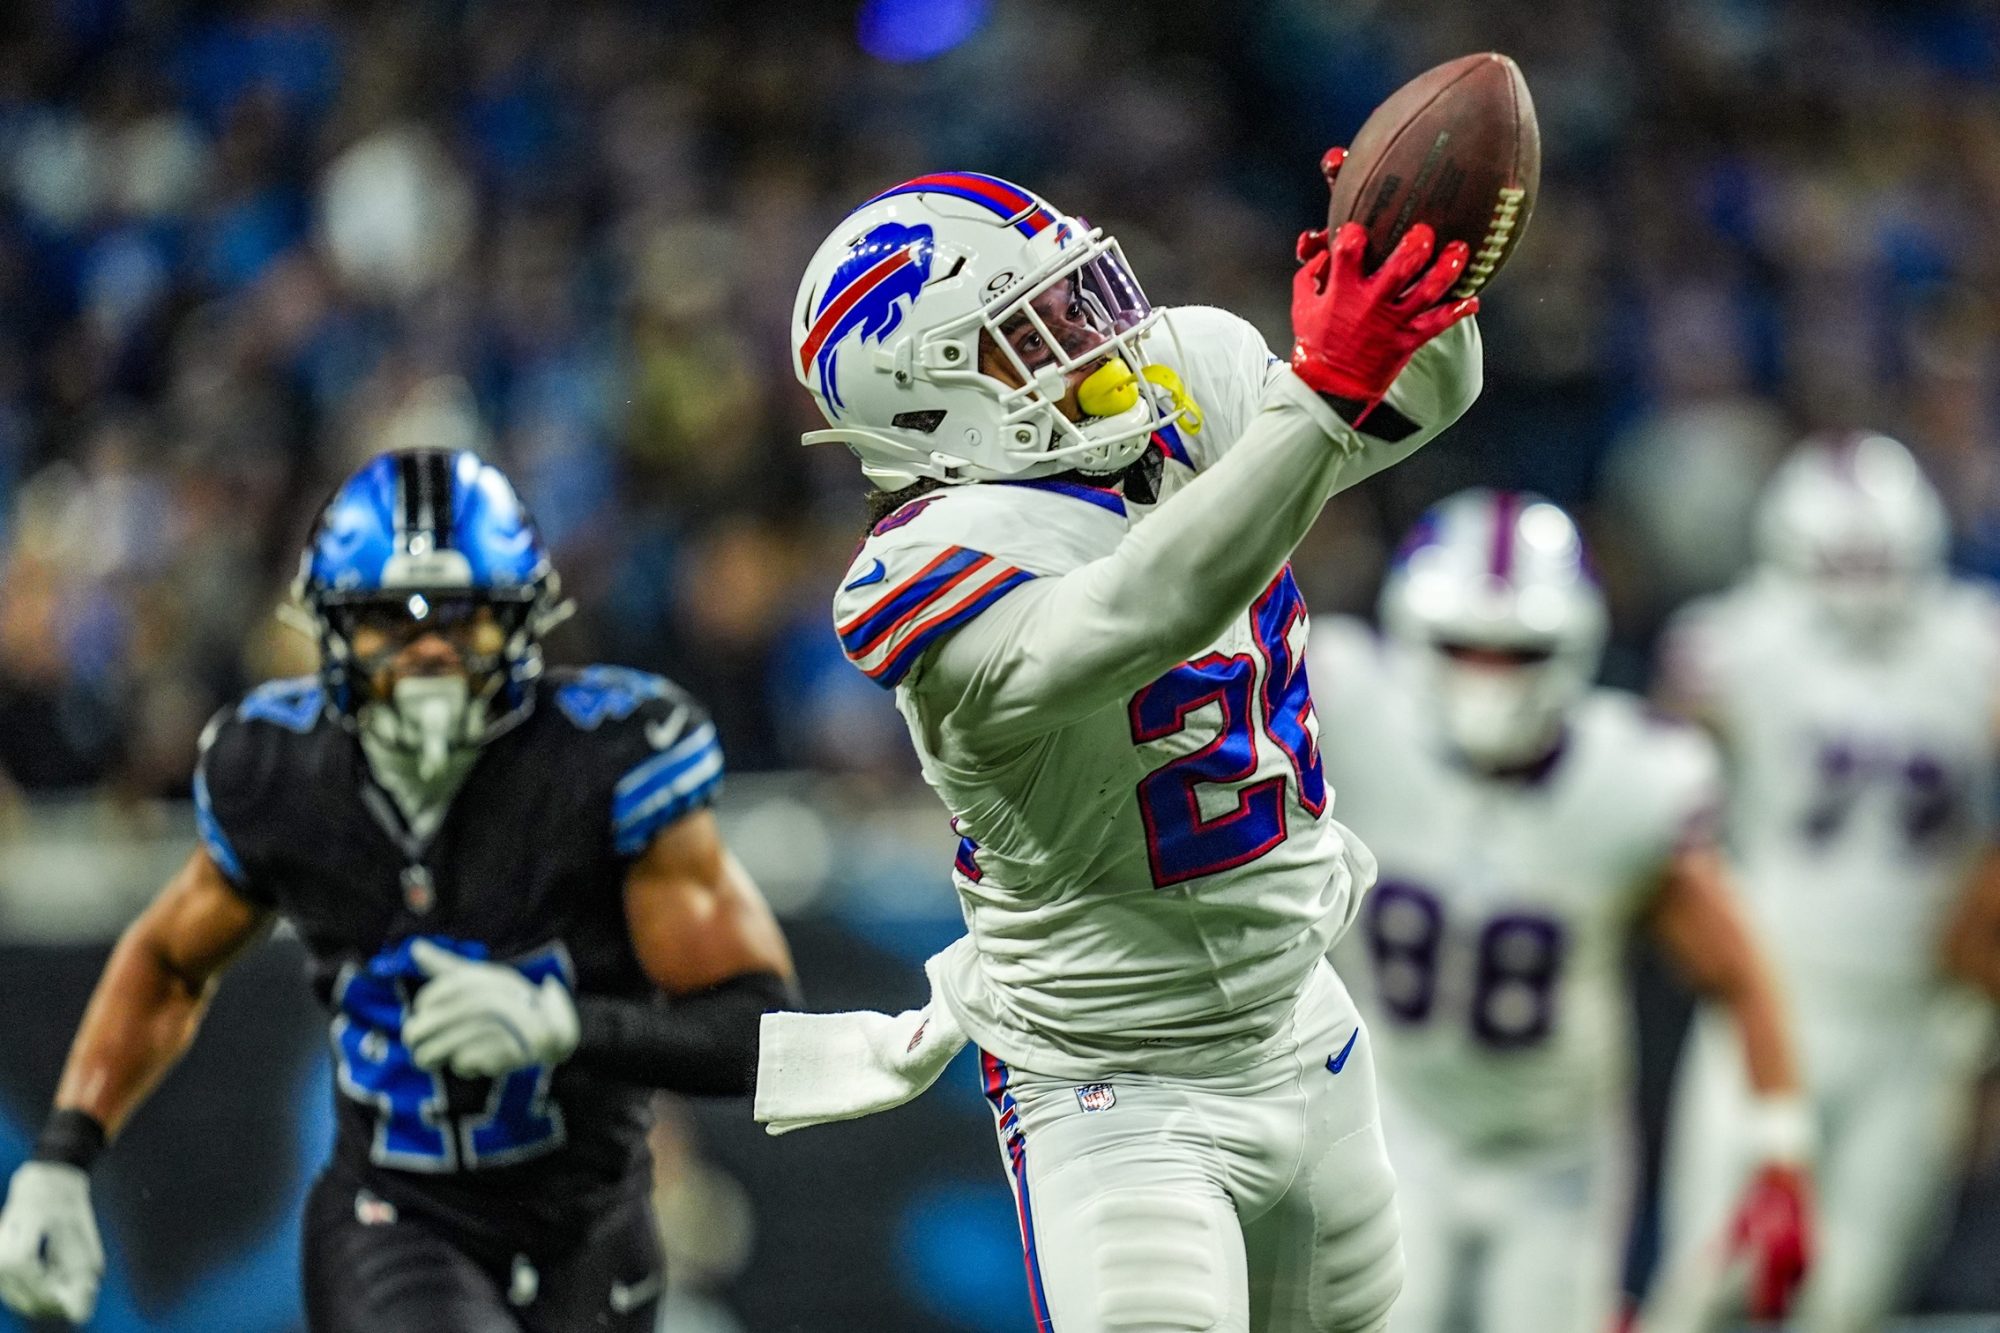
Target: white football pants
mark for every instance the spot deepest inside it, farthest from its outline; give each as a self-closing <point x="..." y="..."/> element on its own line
<point x="1892" y="1094"/>
<point x="1260" y="1201"/>
<point x="1529" y="1243"/>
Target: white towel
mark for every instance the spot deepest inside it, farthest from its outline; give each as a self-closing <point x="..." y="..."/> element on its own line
<point x="813" y="1069"/>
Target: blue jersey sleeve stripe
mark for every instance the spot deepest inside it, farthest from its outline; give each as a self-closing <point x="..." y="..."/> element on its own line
<point x="631" y="838"/>
<point x="625" y="803"/>
<point x="934" y="578"/>
<point x="679" y="752"/>
<point x="898" y="664"/>
<point x="209" y="829"/>
<point x="639" y="805"/>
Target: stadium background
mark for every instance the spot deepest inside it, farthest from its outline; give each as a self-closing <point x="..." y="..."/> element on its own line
<point x="243" y="245"/>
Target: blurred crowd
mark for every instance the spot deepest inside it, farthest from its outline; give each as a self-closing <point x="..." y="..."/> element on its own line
<point x="243" y="245"/>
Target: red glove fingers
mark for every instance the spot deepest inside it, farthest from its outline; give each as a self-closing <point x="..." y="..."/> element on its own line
<point x="1354" y="332"/>
<point x="1314" y="242"/>
<point x="1404" y="265"/>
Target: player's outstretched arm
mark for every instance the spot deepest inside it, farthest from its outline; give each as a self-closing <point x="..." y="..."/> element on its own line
<point x="141" y="1018"/>
<point x="154" y="991"/>
<point x="707" y="938"/>
<point x="1058" y="648"/>
<point x="1697" y="922"/>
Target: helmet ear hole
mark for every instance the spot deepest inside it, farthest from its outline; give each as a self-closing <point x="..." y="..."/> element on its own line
<point x="924" y="423"/>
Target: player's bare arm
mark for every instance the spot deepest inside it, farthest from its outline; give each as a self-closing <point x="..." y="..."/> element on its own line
<point x="1969" y="945"/>
<point x="141" y="1019"/>
<point x="1970" y="948"/>
<point x="155" y="989"/>
<point x="697" y="919"/>
<point x="708" y="940"/>
<point x="1698" y="924"/>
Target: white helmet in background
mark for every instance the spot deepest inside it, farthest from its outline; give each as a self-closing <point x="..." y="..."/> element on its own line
<point x="894" y="308"/>
<point x="1853" y="518"/>
<point x="1492" y="593"/>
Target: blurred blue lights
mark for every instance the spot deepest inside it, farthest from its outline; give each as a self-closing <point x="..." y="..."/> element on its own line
<point x="961" y="1251"/>
<point x="901" y="31"/>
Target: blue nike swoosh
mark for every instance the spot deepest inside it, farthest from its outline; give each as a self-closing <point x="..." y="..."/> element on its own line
<point x="1336" y="1063"/>
<point x="872" y="576"/>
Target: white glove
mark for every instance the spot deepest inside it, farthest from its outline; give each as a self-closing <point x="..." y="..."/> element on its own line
<point x="483" y="1020"/>
<point x="50" y="1256"/>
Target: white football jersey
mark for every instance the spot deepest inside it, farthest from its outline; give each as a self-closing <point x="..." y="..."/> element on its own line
<point x="1862" y="786"/>
<point x="1489" y="957"/>
<point x="1149" y="883"/>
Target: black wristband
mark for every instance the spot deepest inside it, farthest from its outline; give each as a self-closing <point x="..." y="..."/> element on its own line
<point x="1385" y="423"/>
<point x="72" y="1137"/>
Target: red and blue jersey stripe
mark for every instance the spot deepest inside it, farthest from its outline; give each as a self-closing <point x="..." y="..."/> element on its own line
<point x="1027" y="214"/>
<point x="887" y="638"/>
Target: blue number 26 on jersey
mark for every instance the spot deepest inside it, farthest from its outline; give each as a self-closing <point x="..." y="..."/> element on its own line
<point x="1266" y="694"/>
<point x="416" y="1128"/>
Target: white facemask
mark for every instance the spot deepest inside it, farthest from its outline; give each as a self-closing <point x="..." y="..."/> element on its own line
<point x="422" y="740"/>
<point x="1500" y="718"/>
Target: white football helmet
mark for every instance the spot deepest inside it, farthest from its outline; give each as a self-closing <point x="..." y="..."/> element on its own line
<point x="1852" y="518"/>
<point x="1492" y="595"/>
<point x="894" y="309"/>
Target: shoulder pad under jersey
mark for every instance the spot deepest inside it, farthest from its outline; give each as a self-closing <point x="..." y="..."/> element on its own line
<point x="940" y="560"/>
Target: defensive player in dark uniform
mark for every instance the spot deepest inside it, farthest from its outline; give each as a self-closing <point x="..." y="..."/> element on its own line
<point x="520" y="916"/>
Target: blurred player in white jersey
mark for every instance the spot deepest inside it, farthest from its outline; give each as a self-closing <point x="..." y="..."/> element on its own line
<point x="1526" y="824"/>
<point x="1855" y="687"/>
<point x="1077" y="587"/>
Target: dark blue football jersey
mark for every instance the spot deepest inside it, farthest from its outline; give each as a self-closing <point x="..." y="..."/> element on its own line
<point x="527" y="868"/>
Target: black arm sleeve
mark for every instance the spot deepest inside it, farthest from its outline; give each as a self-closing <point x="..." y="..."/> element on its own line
<point x="704" y="1043"/>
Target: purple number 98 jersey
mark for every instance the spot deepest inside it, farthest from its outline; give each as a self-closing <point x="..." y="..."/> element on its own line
<point x="1489" y="957"/>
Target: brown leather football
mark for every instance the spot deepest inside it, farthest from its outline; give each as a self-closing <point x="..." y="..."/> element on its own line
<point x="1457" y="147"/>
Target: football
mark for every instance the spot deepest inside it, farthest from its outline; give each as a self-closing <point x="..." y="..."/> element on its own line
<point x="1457" y="147"/>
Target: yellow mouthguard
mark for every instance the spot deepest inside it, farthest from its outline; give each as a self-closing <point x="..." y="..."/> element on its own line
<point x="1110" y="389"/>
<point x="1113" y="388"/>
<point x="1164" y="378"/>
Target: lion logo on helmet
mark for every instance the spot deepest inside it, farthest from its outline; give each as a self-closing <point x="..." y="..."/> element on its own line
<point x="870" y="292"/>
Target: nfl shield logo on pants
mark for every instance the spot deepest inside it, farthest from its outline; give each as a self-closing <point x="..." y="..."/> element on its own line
<point x="1096" y="1097"/>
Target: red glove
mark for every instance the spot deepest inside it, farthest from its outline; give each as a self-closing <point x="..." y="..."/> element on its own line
<point x="1353" y="334"/>
<point x="1772" y="1234"/>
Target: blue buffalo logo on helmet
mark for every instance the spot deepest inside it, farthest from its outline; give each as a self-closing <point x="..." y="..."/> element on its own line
<point x="868" y="295"/>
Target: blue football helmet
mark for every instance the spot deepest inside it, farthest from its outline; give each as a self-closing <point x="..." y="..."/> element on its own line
<point x="430" y="541"/>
